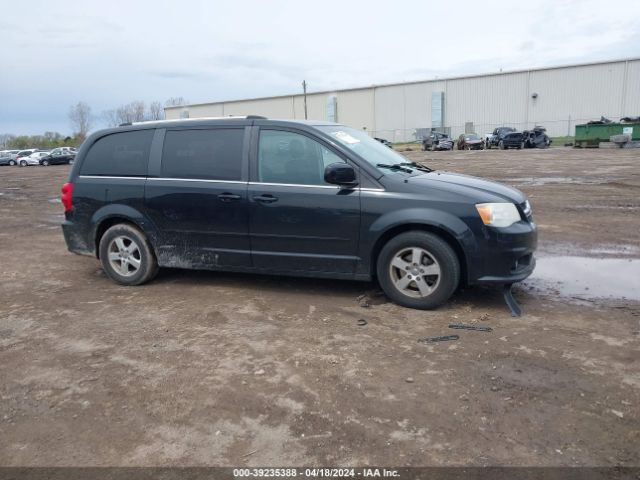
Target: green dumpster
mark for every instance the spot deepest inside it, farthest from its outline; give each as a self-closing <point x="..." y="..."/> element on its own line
<point x="590" y="135"/>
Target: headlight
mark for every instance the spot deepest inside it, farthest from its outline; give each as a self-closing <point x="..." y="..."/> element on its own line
<point x="498" y="214"/>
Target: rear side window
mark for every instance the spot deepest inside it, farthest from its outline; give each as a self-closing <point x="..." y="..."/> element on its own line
<point x="123" y="154"/>
<point x="214" y="154"/>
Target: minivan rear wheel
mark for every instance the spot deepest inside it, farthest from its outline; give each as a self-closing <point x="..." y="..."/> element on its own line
<point x="126" y="256"/>
<point x="418" y="270"/>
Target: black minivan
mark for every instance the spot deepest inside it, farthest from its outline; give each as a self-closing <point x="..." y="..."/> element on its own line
<point x="305" y="198"/>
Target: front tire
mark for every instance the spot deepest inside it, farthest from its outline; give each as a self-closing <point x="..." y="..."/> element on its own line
<point x="126" y="256"/>
<point x="12" y="162"/>
<point x="45" y="163"/>
<point x="23" y="163"/>
<point x="418" y="270"/>
<point x="501" y="145"/>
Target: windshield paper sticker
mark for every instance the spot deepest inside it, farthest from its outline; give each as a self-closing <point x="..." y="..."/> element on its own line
<point x="346" y="138"/>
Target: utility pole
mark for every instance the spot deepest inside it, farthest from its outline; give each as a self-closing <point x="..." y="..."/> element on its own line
<point x="304" y="89"/>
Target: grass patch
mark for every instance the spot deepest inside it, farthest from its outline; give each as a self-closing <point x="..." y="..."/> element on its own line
<point x="560" y="141"/>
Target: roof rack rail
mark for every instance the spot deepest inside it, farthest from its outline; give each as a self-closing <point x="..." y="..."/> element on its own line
<point x="256" y="117"/>
<point x="125" y="124"/>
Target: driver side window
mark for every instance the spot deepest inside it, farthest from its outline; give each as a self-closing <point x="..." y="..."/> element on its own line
<point x="292" y="158"/>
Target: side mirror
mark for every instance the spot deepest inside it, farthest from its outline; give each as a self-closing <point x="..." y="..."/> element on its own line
<point x="340" y="174"/>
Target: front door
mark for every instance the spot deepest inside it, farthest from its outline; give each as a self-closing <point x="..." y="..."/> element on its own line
<point x="199" y="201"/>
<point x="297" y="222"/>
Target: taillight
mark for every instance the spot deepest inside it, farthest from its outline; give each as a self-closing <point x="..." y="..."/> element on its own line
<point x="65" y="196"/>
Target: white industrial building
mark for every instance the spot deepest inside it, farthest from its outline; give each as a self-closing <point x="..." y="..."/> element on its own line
<point x="555" y="97"/>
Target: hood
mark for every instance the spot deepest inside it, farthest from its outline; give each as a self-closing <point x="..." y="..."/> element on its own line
<point x="479" y="189"/>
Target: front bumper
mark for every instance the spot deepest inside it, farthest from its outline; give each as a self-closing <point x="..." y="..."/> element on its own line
<point x="508" y="254"/>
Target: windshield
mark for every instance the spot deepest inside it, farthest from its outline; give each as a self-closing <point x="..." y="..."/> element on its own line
<point x="473" y="136"/>
<point x="372" y="151"/>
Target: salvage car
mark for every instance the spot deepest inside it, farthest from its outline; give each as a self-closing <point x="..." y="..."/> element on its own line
<point x="536" y="138"/>
<point x="300" y="198"/>
<point x="24" y="158"/>
<point x="470" y="141"/>
<point x="8" y="157"/>
<point x="437" y="141"/>
<point x="498" y="134"/>
<point x="511" y="140"/>
<point x="58" y="156"/>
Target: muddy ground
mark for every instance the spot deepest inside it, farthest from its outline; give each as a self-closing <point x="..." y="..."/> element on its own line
<point x="202" y="368"/>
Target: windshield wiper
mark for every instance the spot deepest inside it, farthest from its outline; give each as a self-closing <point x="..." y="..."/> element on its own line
<point x="417" y="166"/>
<point x="395" y="166"/>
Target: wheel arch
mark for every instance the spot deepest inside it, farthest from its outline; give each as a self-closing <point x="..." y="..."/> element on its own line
<point x="441" y="232"/>
<point x="115" y="214"/>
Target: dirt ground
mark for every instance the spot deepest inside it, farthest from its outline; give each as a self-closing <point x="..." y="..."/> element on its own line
<point x="204" y="368"/>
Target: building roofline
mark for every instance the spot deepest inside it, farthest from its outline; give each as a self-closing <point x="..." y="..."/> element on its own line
<point x="412" y="82"/>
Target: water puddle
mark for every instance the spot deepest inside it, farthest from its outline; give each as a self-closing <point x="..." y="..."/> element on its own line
<point x="585" y="277"/>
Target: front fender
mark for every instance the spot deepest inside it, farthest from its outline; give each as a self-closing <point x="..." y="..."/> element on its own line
<point x="433" y="219"/>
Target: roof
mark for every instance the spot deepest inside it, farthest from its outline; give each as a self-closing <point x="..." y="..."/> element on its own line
<point x="437" y="79"/>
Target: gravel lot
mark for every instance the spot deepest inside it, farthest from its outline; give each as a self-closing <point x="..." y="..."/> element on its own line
<point x="205" y="368"/>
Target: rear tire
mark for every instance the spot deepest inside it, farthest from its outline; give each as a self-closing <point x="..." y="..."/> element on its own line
<point x="12" y="162"/>
<point x="418" y="270"/>
<point x="126" y="256"/>
<point x="45" y="163"/>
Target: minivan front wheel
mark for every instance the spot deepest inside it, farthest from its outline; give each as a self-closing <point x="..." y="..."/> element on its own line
<point x="418" y="270"/>
<point x="126" y="256"/>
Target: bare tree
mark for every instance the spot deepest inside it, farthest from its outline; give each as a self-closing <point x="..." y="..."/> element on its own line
<point x="5" y="138"/>
<point x="156" y="111"/>
<point x="175" y="102"/>
<point x="131" y="112"/>
<point x="110" y="118"/>
<point x="80" y="118"/>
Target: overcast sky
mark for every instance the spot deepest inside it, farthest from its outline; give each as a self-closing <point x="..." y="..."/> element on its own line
<point x="56" y="53"/>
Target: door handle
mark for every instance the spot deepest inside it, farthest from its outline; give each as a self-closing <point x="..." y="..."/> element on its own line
<point x="227" y="197"/>
<point x="265" y="198"/>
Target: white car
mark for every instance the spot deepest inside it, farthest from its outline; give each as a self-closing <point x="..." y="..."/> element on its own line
<point x="33" y="159"/>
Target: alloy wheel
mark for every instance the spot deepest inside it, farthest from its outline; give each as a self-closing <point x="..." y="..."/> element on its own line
<point x="124" y="256"/>
<point x="415" y="272"/>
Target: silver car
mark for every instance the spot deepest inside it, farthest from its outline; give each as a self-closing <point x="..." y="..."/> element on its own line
<point x="8" y="157"/>
<point x="33" y="159"/>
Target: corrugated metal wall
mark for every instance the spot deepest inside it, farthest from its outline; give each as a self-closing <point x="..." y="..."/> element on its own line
<point x="565" y="96"/>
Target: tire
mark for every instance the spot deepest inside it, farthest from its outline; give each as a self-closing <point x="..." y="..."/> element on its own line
<point x="125" y="241"/>
<point x="12" y="162"/>
<point x="401" y="253"/>
<point x="23" y="163"/>
<point x="501" y="145"/>
<point x="520" y="146"/>
<point x="45" y="163"/>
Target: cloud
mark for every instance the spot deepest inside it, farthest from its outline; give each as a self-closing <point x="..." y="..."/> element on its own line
<point x="209" y="51"/>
